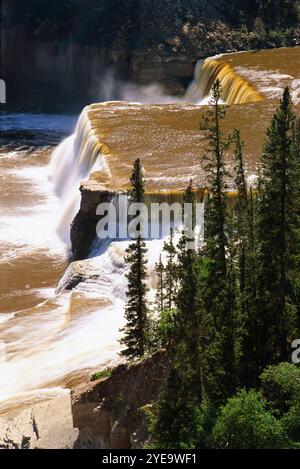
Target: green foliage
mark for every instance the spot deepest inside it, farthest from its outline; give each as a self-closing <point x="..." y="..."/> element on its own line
<point x="256" y="40"/>
<point x="277" y="206"/>
<point x="137" y="191"/>
<point x="291" y="424"/>
<point x="246" y="423"/>
<point x="277" y="37"/>
<point x="281" y="386"/>
<point x="135" y="336"/>
<point x="166" y="331"/>
<point x="101" y="374"/>
<point x="182" y="422"/>
<point x="215" y="296"/>
<point x="237" y="302"/>
<point x="160" y="290"/>
<point x="170" y="280"/>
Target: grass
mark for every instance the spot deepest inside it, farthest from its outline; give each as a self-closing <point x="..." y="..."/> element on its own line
<point x="101" y="374"/>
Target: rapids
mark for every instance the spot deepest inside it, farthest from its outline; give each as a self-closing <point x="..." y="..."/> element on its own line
<point x="51" y="340"/>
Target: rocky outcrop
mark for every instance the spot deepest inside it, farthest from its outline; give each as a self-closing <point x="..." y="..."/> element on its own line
<point x="109" y="413"/>
<point x="83" y="228"/>
<point x="46" y="425"/>
<point x="105" y="414"/>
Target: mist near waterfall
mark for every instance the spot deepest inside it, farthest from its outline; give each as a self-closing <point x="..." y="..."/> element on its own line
<point x="109" y="87"/>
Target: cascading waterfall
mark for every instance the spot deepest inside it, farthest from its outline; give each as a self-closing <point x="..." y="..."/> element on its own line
<point x="235" y="90"/>
<point x="72" y="161"/>
<point x="79" y="329"/>
<point x="66" y="333"/>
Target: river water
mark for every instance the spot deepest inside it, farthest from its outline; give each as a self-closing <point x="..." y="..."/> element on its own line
<point x="50" y="341"/>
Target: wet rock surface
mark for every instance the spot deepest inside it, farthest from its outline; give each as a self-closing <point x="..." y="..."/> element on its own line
<point x="83" y="228"/>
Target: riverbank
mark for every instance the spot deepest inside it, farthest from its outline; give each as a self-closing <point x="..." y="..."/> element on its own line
<point x="101" y="414"/>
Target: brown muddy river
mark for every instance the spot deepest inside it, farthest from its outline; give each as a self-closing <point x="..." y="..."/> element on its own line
<point x="48" y="339"/>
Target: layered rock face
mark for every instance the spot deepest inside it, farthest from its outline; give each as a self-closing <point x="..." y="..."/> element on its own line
<point x="109" y="413"/>
<point x="48" y="49"/>
<point x="83" y="228"/>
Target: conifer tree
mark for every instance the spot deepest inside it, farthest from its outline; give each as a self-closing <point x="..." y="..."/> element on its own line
<point x="188" y="317"/>
<point x="135" y="330"/>
<point x="160" y="289"/>
<point x="170" y="272"/>
<point x="245" y="287"/>
<point x="277" y="232"/>
<point x="217" y="320"/>
<point x="178" y="406"/>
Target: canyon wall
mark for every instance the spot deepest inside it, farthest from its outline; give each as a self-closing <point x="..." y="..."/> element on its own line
<point x="59" y="56"/>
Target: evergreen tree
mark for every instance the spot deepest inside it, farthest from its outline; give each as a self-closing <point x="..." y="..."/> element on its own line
<point x="135" y="331"/>
<point x="170" y="272"/>
<point x="177" y="408"/>
<point x="245" y="286"/>
<point x="189" y="327"/>
<point x="277" y="233"/>
<point x="160" y="289"/>
<point x="214" y="294"/>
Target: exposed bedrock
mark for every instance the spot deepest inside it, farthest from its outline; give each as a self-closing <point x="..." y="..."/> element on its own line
<point x="83" y="228"/>
<point x="109" y="413"/>
<point x="46" y="425"/>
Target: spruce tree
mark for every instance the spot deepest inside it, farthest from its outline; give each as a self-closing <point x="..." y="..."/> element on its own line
<point x="277" y="233"/>
<point x="170" y="272"/>
<point x="135" y="330"/>
<point x="214" y="294"/>
<point x="245" y="262"/>
<point x="188" y="317"/>
<point x="160" y="288"/>
<point x="179" y="404"/>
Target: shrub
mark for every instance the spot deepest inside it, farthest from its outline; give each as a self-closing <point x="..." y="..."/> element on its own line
<point x="277" y="37"/>
<point x="256" y="41"/>
<point x="245" y="422"/>
<point x="281" y="385"/>
<point x="101" y="374"/>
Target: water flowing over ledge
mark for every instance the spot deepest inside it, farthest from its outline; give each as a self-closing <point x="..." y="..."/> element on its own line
<point x="235" y="90"/>
<point x="78" y="327"/>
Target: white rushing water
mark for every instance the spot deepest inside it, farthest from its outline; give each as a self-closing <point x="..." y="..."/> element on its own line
<point x="72" y="161"/>
<point x="42" y="346"/>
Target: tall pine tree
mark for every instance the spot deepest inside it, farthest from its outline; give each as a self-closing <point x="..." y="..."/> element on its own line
<point x="245" y="262"/>
<point x="277" y="232"/>
<point x="214" y="295"/>
<point x="160" y="289"/>
<point x="170" y="272"/>
<point x="136" y="311"/>
<point x="180" y="402"/>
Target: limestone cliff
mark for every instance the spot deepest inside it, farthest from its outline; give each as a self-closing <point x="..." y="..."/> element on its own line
<point x="109" y="413"/>
<point x="83" y="227"/>
<point x="44" y="425"/>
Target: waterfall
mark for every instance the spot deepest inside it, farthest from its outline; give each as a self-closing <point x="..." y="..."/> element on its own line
<point x="78" y="155"/>
<point x="235" y="90"/>
<point x="72" y="161"/>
